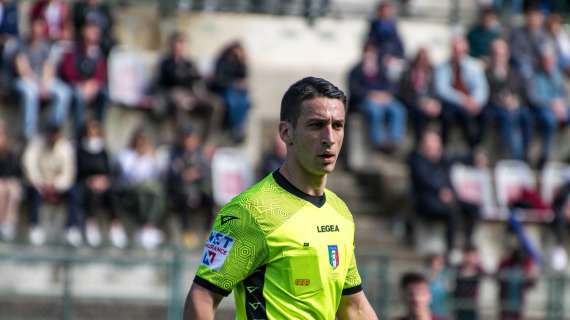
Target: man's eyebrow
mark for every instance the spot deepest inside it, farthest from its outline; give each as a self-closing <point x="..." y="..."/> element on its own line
<point x="318" y="119"/>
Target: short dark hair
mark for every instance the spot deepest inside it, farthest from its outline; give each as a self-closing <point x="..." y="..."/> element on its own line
<point x="469" y="248"/>
<point x="411" y="278"/>
<point x="306" y="89"/>
<point x="175" y="36"/>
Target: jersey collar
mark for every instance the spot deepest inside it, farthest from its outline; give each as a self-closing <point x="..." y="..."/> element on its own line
<point x="317" y="201"/>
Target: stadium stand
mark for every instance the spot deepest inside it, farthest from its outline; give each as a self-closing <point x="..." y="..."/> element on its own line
<point x="125" y="274"/>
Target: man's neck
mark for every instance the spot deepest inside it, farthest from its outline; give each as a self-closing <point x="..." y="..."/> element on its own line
<point x="310" y="184"/>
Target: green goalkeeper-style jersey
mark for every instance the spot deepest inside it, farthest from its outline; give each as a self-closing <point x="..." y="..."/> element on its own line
<point x="285" y="254"/>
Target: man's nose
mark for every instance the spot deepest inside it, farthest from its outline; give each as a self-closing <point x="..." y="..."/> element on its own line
<point x="327" y="135"/>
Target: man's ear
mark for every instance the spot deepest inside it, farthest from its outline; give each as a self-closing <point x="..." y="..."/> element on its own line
<point x="286" y="132"/>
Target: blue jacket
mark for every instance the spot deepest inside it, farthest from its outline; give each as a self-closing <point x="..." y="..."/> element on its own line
<point x="386" y="36"/>
<point x="9" y="19"/>
<point x="544" y="87"/>
<point x="359" y="85"/>
<point x="473" y="77"/>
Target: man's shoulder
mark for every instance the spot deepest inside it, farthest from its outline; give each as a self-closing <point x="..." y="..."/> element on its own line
<point x="266" y="203"/>
<point x="252" y="200"/>
<point x="338" y="204"/>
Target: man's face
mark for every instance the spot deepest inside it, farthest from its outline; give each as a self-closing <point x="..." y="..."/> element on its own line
<point x="38" y="29"/>
<point x="489" y="20"/>
<point x="471" y="258"/>
<point x="534" y="19"/>
<point x="417" y="297"/>
<point x="459" y="48"/>
<point x="316" y="139"/>
<point x="431" y="146"/>
<point x="178" y="47"/>
<point x="191" y="142"/>
<point x="91" y="34"/>
<point x="500" y="50"/>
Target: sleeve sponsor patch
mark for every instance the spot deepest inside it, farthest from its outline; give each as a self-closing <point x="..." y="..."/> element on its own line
<point x="217" y="249"/>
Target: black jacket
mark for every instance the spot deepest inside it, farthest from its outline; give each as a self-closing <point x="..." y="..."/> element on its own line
<point x="9" y="165"/>
<point x="429" y="178"/>
<point x="90" y="164"/>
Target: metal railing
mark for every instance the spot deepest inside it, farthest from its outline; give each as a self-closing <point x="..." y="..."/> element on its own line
<point x="546" y="300"/>
<point x="66" y="259"/>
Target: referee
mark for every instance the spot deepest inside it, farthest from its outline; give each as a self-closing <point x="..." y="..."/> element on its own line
<point x="286" y="245"/>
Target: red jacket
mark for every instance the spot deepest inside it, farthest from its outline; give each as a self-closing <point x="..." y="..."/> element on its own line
<point x="77" y="67"/>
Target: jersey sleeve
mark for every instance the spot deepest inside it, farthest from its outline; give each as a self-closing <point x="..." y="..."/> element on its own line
<point x="352" y="282"/>
<point x="234" y="249"/>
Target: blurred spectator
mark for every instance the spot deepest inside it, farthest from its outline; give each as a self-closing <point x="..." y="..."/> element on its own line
<point x="417" y="92"/>
<point x="515" y="7"/>
<point x="85" y="69"/>
<point x="433" y="196"/>
<point x="230" y="81"/>
<point x="561" y="221"/>
<point x="506" y="99"/>
<point x="95" y="12"/>
<point x="8" y="21"/>
<point x="94" y="182"/>
<point x="8" y="39"/>
<point x="483" y="33"/>
<point x="57" y="14"/>
<point x="49" y="167"/>
<point x="417" y="297"/>
<point x="273" y="160"/>
<point x="372" y="92"/>
<point x="189" y="184"/>
<point x="37" y="80"/>
<point x="177" y="83"/>
<point x="468" y="278"/>
<point x="140" y="189"/>
<point x="560" y="40"/>
<point x="517" y="273"/>
<point x="440" y="284"/>
<point x="384" y="31"/>
<point x="10" y="186"/>
<point x="547" y="95"/>
<point x="462" y="86"/>
<point x="526" y="42"/>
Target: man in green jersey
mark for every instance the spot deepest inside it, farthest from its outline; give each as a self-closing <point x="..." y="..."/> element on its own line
<point x="286" y="245"/>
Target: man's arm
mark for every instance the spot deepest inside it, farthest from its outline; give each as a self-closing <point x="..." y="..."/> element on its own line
<point x="356" y="306"/>
<point x="201" y="303"/>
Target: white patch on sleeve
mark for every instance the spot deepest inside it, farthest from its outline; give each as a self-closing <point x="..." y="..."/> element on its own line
<point x="217" y="249"/>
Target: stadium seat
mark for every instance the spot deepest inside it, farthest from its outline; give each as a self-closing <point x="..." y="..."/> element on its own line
<point x="474" y="185"/>
<point x="511" y="176"/>
<point x="553" y="176"/>
<point x="130" y="75"/>
<point x="231" y="174"/>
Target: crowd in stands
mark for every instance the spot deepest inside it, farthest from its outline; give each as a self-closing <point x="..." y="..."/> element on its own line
<point x="61" y="62"/>
<point x="512" y="78"/>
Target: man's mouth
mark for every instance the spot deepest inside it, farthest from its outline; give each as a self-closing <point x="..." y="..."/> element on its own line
<point x="327" y="156"/>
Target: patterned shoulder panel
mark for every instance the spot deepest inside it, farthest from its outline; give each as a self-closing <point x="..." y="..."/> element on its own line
<point x="269" y="204"/>
<point x="339" y="205"/>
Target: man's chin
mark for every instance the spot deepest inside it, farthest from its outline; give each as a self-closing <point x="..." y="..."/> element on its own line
<point x="328" y="168"/>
